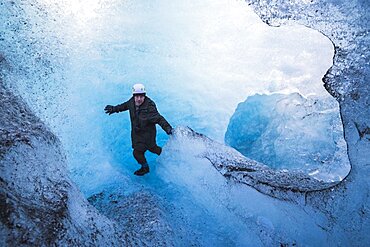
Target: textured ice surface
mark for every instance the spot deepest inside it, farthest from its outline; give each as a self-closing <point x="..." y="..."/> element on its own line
<point x="72" y="55"/>
<point x="98" y="50"/>
<point x="139" y="217"/>
<point x="346" y="24"/>
<point x="40" y="205"/>
<point x="291" y="132"/>
<point x="74" y="58"/>
<point x="252" y="217"/>
<point x="233" y="164"/>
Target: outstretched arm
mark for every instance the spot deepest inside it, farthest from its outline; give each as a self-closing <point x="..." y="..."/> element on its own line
<point x="109" y="109"/>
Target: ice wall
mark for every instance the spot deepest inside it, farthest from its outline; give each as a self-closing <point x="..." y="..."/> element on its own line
<point x="289" y="131"/>
<point x="85" y="56"/>
<point x="30" y="67"/>
<point x="345" y="23"/>
<point x="40" y="205"/>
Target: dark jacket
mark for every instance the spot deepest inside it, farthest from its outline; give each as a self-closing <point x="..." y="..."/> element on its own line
<point x="143" y="121"/>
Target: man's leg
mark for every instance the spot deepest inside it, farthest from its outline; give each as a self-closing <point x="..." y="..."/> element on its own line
<point x="156" y="149"/>
<point x="140" y="158"/>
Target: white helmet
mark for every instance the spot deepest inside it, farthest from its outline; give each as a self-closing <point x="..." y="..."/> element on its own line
<point x="138" y="89"/>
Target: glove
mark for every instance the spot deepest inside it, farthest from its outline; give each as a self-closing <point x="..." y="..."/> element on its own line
<point x="109" y="109"/>
<point x="170" y="131"/>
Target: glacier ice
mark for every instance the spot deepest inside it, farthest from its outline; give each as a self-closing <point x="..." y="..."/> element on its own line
<point x="348" y="81"/>
<point x="67" y="56"/>
<point x="291" y="132"/>
<point x="40" y="205"/>
<point x="91" y="58"/>
<point x="253" y="216"/>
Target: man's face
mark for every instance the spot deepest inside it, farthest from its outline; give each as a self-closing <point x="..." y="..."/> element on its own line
<point x="139" y="99"/>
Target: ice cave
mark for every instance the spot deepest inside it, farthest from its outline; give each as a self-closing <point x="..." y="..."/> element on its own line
<point x="270" y="106"/>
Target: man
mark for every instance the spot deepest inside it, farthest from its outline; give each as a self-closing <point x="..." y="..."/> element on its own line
<point x="144" y="116"/>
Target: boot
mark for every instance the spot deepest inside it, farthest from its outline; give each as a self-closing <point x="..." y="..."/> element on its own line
<point x="142" y="171"/>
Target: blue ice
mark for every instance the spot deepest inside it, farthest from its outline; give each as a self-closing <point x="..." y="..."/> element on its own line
<point x="289" y="131"/>
<point x="198" y="60"/>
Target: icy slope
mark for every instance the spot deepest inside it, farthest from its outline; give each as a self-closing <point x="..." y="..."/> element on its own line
<point x="335" y="213"/>
<point x="139" y="216"/>
<point x="39" y="204"/>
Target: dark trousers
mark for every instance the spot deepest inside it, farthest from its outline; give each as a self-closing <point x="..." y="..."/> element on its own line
<point x="140" y="157"/>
